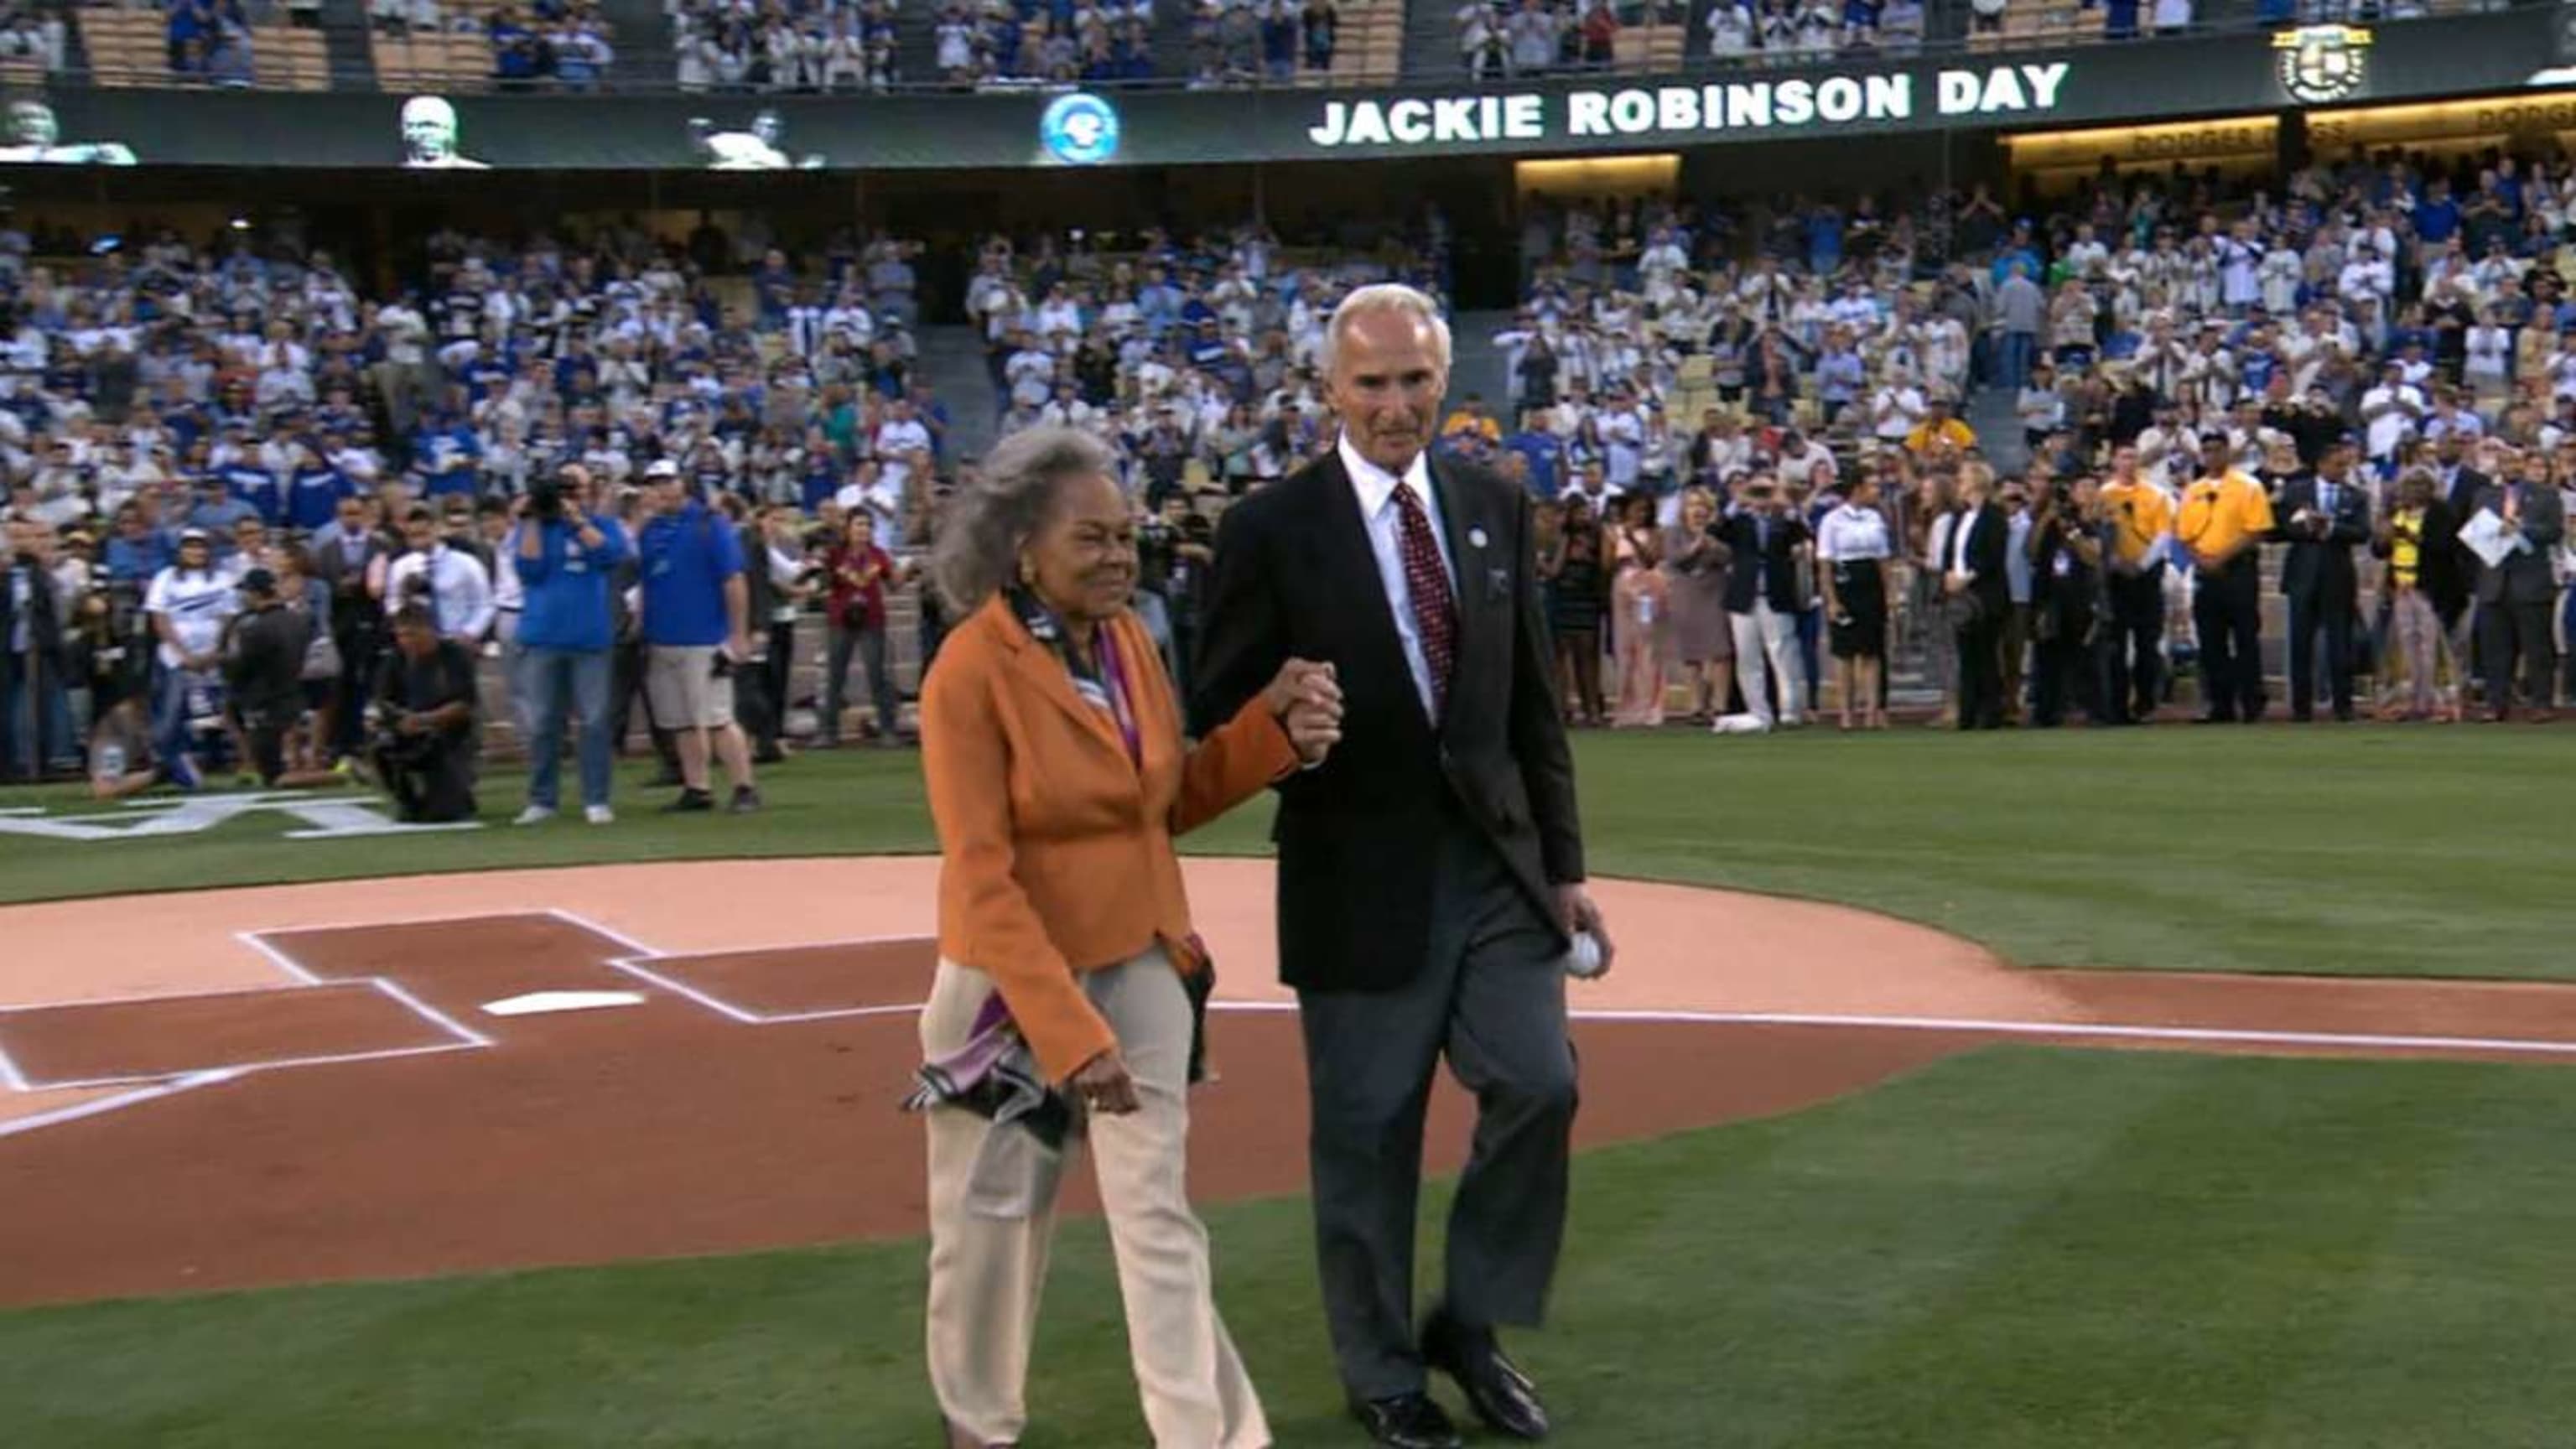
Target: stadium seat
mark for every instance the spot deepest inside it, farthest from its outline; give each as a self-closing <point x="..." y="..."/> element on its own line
<point x="443" y="61"/>
<point x="132" y="48"/>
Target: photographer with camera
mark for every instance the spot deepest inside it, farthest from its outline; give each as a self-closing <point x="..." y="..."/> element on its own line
<point x="2066" y="552"/>
<point x="422" y="723"/>
<point x="566" y="555"/>
<point x="451" y="585"/>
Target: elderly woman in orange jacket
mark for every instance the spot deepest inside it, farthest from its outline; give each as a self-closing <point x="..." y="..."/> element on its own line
<point x="1070" y="989"/>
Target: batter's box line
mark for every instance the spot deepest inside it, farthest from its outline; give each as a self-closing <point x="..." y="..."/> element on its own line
<point x="78" y="1110"/>
<point x="635" y="965"/>
<point x="466" y="1039"/>
<point x="465" y="1035"/>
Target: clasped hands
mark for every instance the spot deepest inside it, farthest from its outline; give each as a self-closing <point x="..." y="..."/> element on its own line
<point x="1307" y="699"/>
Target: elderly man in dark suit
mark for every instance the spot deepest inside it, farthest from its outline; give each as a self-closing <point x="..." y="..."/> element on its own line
<point x="2515" y="593"/>
<point x="1430" y="872"/>
<point x="2323" y="519"/>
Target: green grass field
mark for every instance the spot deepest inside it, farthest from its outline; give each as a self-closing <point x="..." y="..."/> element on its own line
<point x="2022" y="1247"/>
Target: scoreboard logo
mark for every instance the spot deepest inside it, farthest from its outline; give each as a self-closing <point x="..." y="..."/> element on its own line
<point x="1079" y="129"/>
<point x="2323" y="63"/>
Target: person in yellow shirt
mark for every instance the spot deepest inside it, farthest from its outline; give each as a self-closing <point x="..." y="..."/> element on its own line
<point x="2223" y="521"/>
<point x="1471" y="420"/>
<point x="1939" y="431"/>
<point x="2139" y="520"/>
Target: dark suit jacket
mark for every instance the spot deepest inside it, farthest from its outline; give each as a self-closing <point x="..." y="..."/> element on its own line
<point x="1295" y="577"/>
<point x="1742" y="536"/>
<point x="2442" y="565"/>
<point x="2525" y="577"/>
<point x="44" y="625"/>
<point x="2321" y="569"/>
<point x="2463" y="493"/>
<point x="1988" y="545"/>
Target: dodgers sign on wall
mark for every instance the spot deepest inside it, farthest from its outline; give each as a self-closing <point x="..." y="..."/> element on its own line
<point x="1079" y="129"/>
<point x="2322" y="63"/>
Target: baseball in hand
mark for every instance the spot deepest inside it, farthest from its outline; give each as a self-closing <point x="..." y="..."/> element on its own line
<point x="1584" y="958"/>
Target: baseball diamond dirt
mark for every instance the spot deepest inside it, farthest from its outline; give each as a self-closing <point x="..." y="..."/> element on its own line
<point x="440" y="1074"/>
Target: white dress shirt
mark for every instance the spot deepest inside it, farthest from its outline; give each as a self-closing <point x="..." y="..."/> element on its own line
<point x="460" y="588"/>
<point x="1962" y="534"/>
<point x="1375" y="487"/>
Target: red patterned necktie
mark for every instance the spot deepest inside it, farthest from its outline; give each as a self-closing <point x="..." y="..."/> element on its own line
<point x="1435" y="614"/>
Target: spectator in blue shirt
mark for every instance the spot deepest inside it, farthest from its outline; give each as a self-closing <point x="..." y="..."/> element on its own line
<point x="448" y="454"/>
<point x="696" y="607"/>
<point x="1542" y="451"/>
<point x="313" y="494"/>
<point x="136" y="551"/>
<point x="246" y="480"/>
<point x="567" y="630"/>
<point x="216" y="510"/>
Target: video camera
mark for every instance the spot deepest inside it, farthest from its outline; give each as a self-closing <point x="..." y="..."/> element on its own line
<point x="546" y="498"/>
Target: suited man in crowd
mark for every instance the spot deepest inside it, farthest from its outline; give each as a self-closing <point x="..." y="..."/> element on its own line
<point x="1980" y="599"/>
<point x="34" y="727"/>
<point x="344" y="552"/>
<point x="1430" y="871"/>
<point x="2515" y="593"/>
<point x="2323" y="518"/>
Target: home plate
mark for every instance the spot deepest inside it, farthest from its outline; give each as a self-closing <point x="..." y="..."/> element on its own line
<point x="537" y="1002"/>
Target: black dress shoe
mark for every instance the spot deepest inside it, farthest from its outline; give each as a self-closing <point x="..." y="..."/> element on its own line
<point x="1407" y="1421"/>
<point x="1499" y="1392"/>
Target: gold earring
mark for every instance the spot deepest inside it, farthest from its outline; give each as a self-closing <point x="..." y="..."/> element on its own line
<point x="1028" y="575"/>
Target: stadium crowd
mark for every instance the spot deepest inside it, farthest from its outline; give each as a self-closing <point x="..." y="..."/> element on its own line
<point x="1747" y="428"/>
<point x="181" y="423"/>
<point x="729" y="45"/>
<point x="2194" y="371"/>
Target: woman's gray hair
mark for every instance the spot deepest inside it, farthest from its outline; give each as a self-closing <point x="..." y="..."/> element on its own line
<point x="986" y="525"/>
<point x="1384" y="297"/>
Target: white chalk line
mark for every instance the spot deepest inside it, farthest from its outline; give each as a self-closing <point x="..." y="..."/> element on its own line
<point x="146" y="998"/>
<point x="460" y="1037"/>
<point x="651" y="977"/>
<point x="2378" y="1041"/>
<point x="444" y="918"/>
<point x="79" y="1110"/>
<point x="466" y="1038"/>
<point x="465" y="1035"/>
<point x="264" y="1064"/>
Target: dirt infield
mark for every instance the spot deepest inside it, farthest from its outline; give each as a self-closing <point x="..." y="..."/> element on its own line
<point x="364" y="1081"/>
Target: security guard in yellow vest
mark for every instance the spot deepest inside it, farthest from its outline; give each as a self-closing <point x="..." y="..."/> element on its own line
<point x="2140" y="519"/>
<point x="2221" y="525"/>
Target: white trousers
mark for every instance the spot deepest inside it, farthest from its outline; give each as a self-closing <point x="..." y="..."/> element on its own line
<point x="992" y="1216"/>
<point x="1766" y="634"/>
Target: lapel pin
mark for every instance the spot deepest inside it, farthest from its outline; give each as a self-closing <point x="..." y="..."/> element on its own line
<point x="1475" y="538"/>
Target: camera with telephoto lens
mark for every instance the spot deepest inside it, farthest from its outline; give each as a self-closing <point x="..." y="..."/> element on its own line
<point x="545" y="499"/>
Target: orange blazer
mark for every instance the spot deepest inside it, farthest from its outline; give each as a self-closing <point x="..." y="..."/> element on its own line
<point x="1055" y="849"/>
